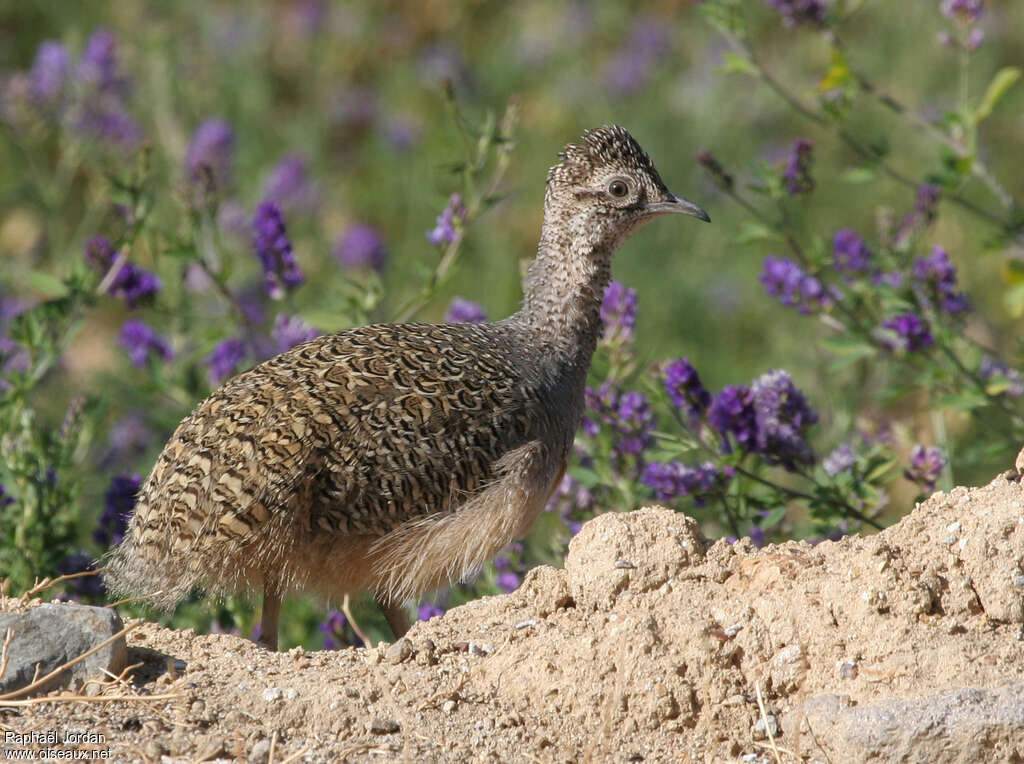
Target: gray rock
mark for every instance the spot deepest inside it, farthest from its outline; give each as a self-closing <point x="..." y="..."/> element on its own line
<point x="51" y="635"/>
<point x="969" y="724"/>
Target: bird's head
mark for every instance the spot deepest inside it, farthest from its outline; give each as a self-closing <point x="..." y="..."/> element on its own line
<point x="606" y="186"/>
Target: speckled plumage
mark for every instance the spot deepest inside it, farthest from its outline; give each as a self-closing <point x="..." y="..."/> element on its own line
<point x="394" y="458"/>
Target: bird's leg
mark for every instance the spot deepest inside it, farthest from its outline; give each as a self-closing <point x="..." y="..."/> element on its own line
<point x="270" y="614"/>
<point x="396" y="617"/>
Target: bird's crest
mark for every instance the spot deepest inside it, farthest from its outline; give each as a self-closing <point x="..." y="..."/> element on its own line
<point x="601" y="147"/>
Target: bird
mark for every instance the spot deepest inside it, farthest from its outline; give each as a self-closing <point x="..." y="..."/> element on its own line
<point x="395" y="458"/>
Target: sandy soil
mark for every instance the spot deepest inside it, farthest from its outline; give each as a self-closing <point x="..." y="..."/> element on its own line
<point x="653" y="644"/>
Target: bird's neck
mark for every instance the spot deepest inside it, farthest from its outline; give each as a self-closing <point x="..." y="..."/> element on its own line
<point x="563" y="290"/>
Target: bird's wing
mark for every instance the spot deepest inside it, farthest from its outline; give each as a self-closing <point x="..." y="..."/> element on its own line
<point x="428" y="411"/>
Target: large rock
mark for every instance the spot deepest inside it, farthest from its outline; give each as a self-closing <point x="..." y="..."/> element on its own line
<point x="51" y="635"/>
<point x="967" y="724"/>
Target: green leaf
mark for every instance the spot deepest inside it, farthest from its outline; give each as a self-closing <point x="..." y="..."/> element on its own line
<point x="1002" y="82"/>
<point x="1013" y="272"/>
<point x="964" y="400"/>
<point x="586" y="477"/>
<point x="774" y="517"/>
<point x="858" y="175"/>
<point x="849" y="346"/>
<point x="879" y="470"/>
<point x="1014" y="299"/>
<point x="46" y="283"/>
<point x="734" y="63"/>
<point x="751" y="231"/>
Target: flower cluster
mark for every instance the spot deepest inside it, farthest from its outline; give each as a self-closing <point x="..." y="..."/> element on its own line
<point x="142" y="343"/>
<point x="224" y="360"/>
<point x="935" y="276"/>
<point x="338" y="632"/>
<point x="906" y="332"/>
<point x="618" y="312"/>
<point x="796" y="288"/>
<point x="631" y="67"/>
<point x="926" y="464"/>
<point x="684" y="388"/>
<point x="674" y="479"/>
<point x="992" y="371"/>
<point x="926" y="209"/>
<point x="290" y="331"/>
<point x="463" y="311"/>
<point x="118" y="503"/>
<point x="714" y="168"/>
<point x="628" y="414"/>
<point x="782" y="416"/>
<point x="131" y="283"/>
<point x="429" y="610"/>
<point x="101" y="112"/>
<point x="797" y="173"/>
<point x="361" y="246"/>
<point x="850" y="253"/>
<point x="449" y="223"/>
<point x="210" y="154"/>
<point x="289" y="186"/>
<point x="270" y="239"/>
<point x="797" y="12"/>
<point x="967" y="13"/>
<point x="840" y="459"/>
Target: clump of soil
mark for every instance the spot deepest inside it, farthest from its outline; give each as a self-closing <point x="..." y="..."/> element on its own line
<point x="653" y="644"/>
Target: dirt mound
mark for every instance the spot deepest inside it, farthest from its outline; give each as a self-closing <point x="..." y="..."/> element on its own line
<point x="652" y="644"/>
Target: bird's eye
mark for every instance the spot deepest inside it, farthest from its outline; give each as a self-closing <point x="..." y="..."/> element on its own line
<point x="618" y="188"/>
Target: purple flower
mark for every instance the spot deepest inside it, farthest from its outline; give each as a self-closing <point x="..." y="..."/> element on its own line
<point x="142" y="343"/>
<point x="224" y="360"/>
<point x="507" y="581"/>
<point x="131" y="283"/>
<point x="210" y="153"/>
<point x="5" y="498"/>
<point x="361" y="246"/>
<point x="936" y="277"/>
<point x="98" y="65"/>
<point x="714" y="168"/>
<point x="462" y="311"/>
<point x="270" y="239"/>
<point x="967" y="11"/>
<point x="289" y="186"/>
<point x="337" y="632"/>
<point x="449" y="223"/>
<point x="675" y="479"/>
<point x="849" y="252"/>
<point x="907" y="332"/>
<point x="429" y="610"/>
<point x="618" y="312"/>
<point x="797" y="173"/>
<point x="926" y="464"/>
<point x="628" y="414"/>
<point x="993" y="370"/>
<point x="630" y="69"/>
<point x="926" y="209"/>
<point x="794" y="287"/>
<point x="732" y="413"/>
<point x="797" y="12"/>
<point x="49" y="73"/>
<point x="86" y="587"/>
<point x="840" y="459"/>
<point x="118" y="503"/>
<point x="684" y="387"/>
<point x="782" y="416"/>
<point x="290" y="331"/>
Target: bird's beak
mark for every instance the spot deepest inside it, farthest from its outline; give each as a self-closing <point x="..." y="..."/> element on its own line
<point x="677" y="204"/>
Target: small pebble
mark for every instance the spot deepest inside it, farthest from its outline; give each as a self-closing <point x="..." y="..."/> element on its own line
<point x="380" y="726"/>
<point x="624" y="565"/>
<point x="448" y="707"/>
<point x="526" y="624"/>
<point x="732" y="631"/>
<point x="398" y="652"/>
<point x="272" y="693"/>
<point x="759" y="728"/>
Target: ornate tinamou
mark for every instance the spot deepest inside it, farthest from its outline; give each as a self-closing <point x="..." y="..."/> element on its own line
<point x="395" y="458"/>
